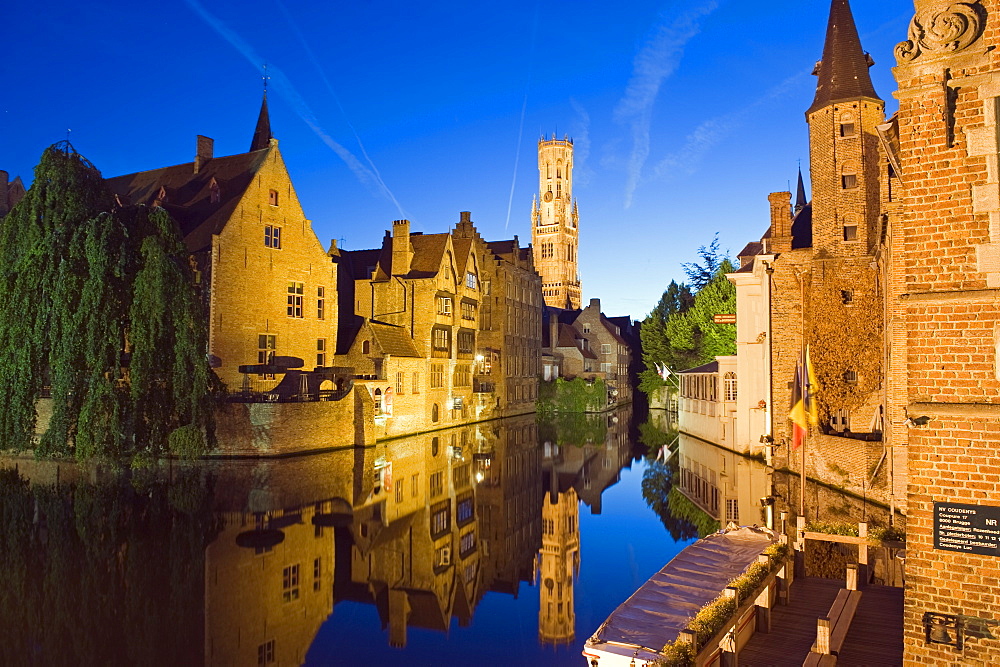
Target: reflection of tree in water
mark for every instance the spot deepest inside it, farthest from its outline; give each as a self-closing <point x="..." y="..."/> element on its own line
<point x="106" y="573"/>
<point x="657" y="480"/>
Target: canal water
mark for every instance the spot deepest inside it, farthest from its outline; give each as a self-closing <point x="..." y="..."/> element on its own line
<point x="507" y="542"/>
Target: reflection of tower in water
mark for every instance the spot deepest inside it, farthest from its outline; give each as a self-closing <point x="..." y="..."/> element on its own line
<point x="559" y="566"/>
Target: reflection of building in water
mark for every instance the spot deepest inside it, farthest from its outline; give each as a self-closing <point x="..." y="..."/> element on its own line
<point x="559" y="565"/>
<point x="265" y="601"/>
<point x="507" y="500"/>
<point x="726" y="485"/>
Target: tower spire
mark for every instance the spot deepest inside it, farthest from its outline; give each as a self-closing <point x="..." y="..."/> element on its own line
<point x="262" y="134"/>
<point x="843" y="71"/>
<point x="800" y="193"/>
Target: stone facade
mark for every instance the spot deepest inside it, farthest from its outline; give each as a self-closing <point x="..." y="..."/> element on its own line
<point x="555" y="225"/>
<point x="945" y="277"/>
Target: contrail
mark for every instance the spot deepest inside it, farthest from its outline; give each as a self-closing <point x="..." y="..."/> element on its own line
<point x="524" y="108"/>
<point x="333" y="94"/>
<point x="656" y="61"/>
<point x="292" y="96"/>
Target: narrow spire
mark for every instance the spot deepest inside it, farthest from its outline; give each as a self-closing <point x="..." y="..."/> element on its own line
<point x="843" y="71"/>
<point x="800" y="194"/>
<point x="262" y="134"/>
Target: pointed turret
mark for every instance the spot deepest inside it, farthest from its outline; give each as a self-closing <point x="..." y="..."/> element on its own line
<point x="800" y="195"/>
<point x="843" y="71"/>
<point x="262" y="135"/>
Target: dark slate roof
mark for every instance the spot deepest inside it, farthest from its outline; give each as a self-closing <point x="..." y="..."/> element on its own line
<point x="394" y="340"/>
<point x="888" y="133"/>
<point x="843" y="72"/>
<point x="746" y="256"/>
<point x="428" y="253"/>
<point x="189" y="195"/>
<point x="802" y="230"/>
<point x="800" y="194"/>
<point x="262" y="133"/>
<point x="359" y="262"/>
<point x="710" y="367"/>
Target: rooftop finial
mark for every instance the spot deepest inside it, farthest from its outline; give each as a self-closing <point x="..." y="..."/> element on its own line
<point x="800" y="192"/>
<point x="265" y="78"/>
<point x="262" y="133"/>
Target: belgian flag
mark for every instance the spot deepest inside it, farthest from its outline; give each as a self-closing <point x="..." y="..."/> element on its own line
<point x="803" y="412"/>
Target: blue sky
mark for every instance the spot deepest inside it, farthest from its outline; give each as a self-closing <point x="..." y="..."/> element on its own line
<point x="685" y="114"/>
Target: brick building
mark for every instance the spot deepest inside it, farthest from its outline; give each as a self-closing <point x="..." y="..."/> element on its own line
<point x="555" y="224"/>
<point x="944" y="274"/>
<point x="11" y="192"/>
<point x="446" y="325"/>
<point x="268" y="283"/>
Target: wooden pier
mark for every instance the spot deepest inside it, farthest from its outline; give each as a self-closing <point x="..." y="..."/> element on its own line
<point x="875" y="636"/>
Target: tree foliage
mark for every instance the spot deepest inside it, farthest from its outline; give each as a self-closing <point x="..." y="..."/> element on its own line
<point x="680" y="332"/>
<point x="96" y="301"/>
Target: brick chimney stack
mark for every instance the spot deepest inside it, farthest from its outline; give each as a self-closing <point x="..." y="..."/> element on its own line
<point x="402" y="250"/>
<point x="781" y="221"/>
<point x="205" y="149"/>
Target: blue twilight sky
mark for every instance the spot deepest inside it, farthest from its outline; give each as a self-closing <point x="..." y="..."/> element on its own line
<point x="685" y="114"/>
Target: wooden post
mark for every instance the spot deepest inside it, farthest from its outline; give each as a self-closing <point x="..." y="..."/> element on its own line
<point x="784" y="522"/>
<point x="763" y="603"/>
<point x="823" y="636"/>
<point x="863" y="554"/>
<point x="800" y="546"/>
<point x="729" y="640"/>
<point x="688" y="637"/>
<point x="852" y="577"/>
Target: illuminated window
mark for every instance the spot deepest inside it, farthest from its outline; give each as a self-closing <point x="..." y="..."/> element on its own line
<point x="462" y="376"/>
<point x="470" y="280"/>
<point x="444" y="305"/>
<point x="294" y="300"/>
<point x="729" y="385"/>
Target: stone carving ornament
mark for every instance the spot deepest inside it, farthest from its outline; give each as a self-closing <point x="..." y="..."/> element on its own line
<point x="940" y="31"/>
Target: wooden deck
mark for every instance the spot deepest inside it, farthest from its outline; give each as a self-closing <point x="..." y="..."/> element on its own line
<point x="875" y="637"/>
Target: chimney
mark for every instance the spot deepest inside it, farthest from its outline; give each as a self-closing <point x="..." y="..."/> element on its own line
<point x="465" y="216"/>
<point x="203" y="154"/>
<point x="402" y="250"/>
<point x="595" y="304"/>
<point x="553" y="330"/>
<point x="4" y="204"/>
<point x="781" y="221"/>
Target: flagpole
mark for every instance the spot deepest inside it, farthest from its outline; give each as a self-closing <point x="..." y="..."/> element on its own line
<point x="805" y="437"/>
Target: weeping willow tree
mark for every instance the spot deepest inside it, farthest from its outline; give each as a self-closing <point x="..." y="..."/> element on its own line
<point x="115" y="327"/>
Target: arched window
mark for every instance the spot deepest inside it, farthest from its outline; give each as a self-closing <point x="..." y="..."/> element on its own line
<point x="378" y="402"/>
<point x="366" y="347"/>
<point x="729" y="383"/>
<point x="435" y="444"/>
<point x="435" y="413"/>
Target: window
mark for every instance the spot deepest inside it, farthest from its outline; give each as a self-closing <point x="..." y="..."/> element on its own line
<point x="850" y="376"/>
<point x="272" y="197"/>
<point x="378" y="402"/>
<point x="847" y="296"/>
<point x="290" y="583"/>
<point x="558" y="189"/>
<point x="435" y="448"/>
<point x="265" y="653"/>
<point x="605" y="348"/>
<point x="435" y="413"/>
<point x="467" y="543"/>
<point x="437" y="376"/>
<point x="729" y="385"/>
<point x="606" y="368"/>
<point x="442" y="557"/>
<point x="321" y="352"/>
<point x="317" y="571"/>
<point x="463" y="475"/>
<point x="399" y="490"/>
<point x="732" y="510"/>
<point x="850" y="232"/>
<point x="470" y="280"/>
<point x="416" y="382"/>
<point x="586" y="328"/>
<point x="437" y="483"/>
<point x="366" y="347"/>
<point x="840" y="421"/>
<point x="486" y="287"/>
<point x="470" y="572"/>
<point x="462" y="376"/>
<point x="295" y="299"/>
<point x="468" y="311"/>
<point x="441" y="520"/>
<point x="415" y="484"/>
<point x="466" y="342"/>
<point x="547" y="250"/>
<point x="272" y="236"/>
<point x="400" y="383"/>
<point x="847" y="129"/>
<point x="320" y="303"/>
<point x="464" y="511"/>
<point x="444" y="305"/>
<point x="849" y="181"/>
<point x="266" y="345"/>
<point x="441" y="340"/>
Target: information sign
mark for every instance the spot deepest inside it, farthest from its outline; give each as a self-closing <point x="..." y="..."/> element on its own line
<point x="724" y="318"/>
<point x="967" y="528"/>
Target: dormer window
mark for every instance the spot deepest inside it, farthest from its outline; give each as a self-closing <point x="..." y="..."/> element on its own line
<point x="272" y="197"/>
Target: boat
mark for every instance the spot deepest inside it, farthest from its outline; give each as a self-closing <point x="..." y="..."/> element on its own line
<point x="635" y="633"/>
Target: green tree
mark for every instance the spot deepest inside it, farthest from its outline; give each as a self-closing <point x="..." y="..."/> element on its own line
<point x="694" y="336"/>
<point x="116" y="325"/>
<point x="656" y="347"/>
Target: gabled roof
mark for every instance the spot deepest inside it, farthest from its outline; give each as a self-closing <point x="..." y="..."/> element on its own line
<point x="843" y="71"/>
<point x="393" y="340"/>
<point x="189" y="194"/>
<point x="262" y="133"/>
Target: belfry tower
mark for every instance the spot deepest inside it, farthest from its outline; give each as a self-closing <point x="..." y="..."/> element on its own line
<point x="555" y="224"/>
